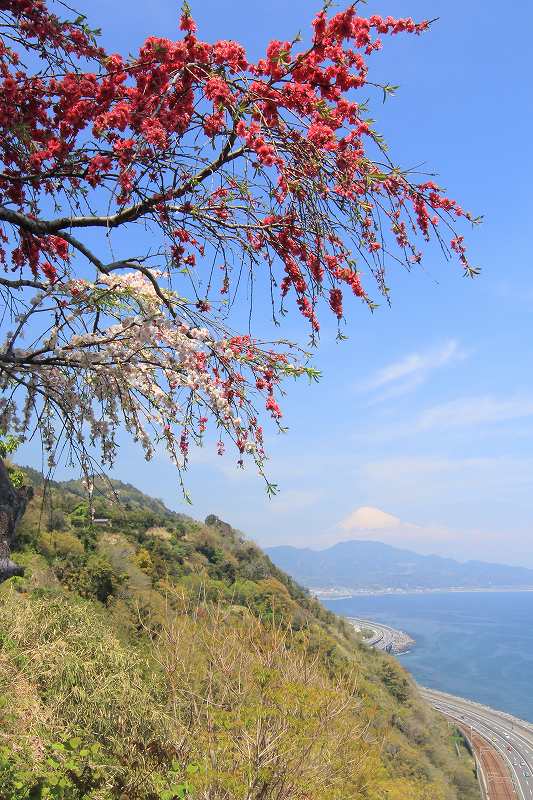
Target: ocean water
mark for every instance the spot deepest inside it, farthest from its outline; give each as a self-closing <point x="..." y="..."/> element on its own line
<point x="477" y="645"/>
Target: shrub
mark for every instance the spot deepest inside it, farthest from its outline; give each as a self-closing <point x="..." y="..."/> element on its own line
<point x="210" y="672"/>
<point x="142" y="560"/>
<point x="80" y="515"/>
<point x="59" y="543"/>
<point x="395" y="680"/>
<point x="92" y="576"/>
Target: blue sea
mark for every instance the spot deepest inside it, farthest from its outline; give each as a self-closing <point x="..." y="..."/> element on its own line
<point x="477" y="645"/>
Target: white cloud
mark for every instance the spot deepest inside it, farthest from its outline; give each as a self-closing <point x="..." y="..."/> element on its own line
<point x="369" y="518"/>
<point x="470" y="411"/>
<point x="369" y="522"/>
<point x="409" y="372"/>
<point x="464" y="413"/>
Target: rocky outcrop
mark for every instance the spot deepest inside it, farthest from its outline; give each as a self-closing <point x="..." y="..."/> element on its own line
<point x="13" y="504"/>
<point x="213" y="521"/>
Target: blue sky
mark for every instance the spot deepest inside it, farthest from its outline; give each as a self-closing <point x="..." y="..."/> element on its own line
<point x="420" y="432"/>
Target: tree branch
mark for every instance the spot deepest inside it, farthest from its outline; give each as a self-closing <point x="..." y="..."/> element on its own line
<point x="20" y="282"/>
<point x="130" y="214"/>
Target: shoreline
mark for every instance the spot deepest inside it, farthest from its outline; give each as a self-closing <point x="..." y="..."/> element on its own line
<point x="501" y="742"/>
<point x="401" y="638"/>
<point x="389" y="640"/>
<point x="347" y="594"/>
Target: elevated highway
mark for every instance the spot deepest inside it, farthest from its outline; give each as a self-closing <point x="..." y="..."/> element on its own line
<point x="385" y="638"/>
<point x="510" y="737"/>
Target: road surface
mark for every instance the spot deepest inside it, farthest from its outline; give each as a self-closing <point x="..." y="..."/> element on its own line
<point x="510" y="737"/>
<point x="385" y="637"/>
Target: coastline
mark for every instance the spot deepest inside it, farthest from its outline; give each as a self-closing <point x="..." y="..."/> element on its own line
<point x="346" y="593"/>
<point x="389" y="640"/>
<point x="402" y="643"/>
<point x="477" y="645"/>
<point x="501" y="743"/>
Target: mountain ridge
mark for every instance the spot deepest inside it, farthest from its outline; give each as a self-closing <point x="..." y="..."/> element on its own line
<point x="361" y="564"/>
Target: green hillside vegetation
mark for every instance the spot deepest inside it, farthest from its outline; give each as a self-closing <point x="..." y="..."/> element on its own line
<point x="148" y="656"/>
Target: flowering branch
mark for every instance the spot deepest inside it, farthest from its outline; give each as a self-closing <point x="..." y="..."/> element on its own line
<point x="230" y="166"/>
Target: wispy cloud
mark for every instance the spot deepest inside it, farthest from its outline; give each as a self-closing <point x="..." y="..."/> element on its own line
<point x="293" y="500"/>
<point x="471" y="411"/>
<point x="461" y="414"/>
<point x="369" y="522"/>
<point x="433" y="481"/>
<point x="407" y="373"/>
<point x="511" y="293"/>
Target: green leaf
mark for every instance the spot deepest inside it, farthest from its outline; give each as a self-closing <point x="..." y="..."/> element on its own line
<point x="75" y="742"/>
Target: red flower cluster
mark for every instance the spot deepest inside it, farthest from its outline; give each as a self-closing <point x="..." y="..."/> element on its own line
<point x="267" y="163"/>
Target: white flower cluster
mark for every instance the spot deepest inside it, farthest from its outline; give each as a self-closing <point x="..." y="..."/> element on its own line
<point x="95" y="370"/>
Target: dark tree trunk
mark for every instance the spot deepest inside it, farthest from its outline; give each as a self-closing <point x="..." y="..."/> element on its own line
<point x="13" y="504"/>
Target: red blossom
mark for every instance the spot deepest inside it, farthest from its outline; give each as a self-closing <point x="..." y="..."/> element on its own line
<point x="218" y="91"/>
<point x="50" y="271"/>
<point x="250" y="168"/>
<point x="273" y="407"/>
<point x="187" y="23"/>
<point x="335" y="302"/>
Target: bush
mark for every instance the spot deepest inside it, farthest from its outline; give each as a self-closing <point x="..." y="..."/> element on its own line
<point x="80" y="516"/>
<point x="59" y="544"/>
<point x="395" y="680"/>
<point x="72" y="677"/>
<point x="213" y="683"/>
<point x="71" y="771"/>
<point x="254" y="570"/>
<point x="143" y="560"/>
<point x="92" y="576"/>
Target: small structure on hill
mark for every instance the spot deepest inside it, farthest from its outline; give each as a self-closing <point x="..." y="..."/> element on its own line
<point x="103" y="522"/>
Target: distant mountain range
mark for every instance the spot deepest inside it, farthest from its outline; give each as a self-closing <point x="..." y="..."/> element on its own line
<point x="373" y="566"/>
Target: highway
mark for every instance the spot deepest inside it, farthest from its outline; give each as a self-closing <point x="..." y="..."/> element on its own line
<point x="512" y="738"/>
<point x="385" y="637"/>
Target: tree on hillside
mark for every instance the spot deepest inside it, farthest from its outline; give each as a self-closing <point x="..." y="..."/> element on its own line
<point x="145" y="199"/>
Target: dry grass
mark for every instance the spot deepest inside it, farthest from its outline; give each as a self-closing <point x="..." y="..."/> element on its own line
<point x="249" y="709"/>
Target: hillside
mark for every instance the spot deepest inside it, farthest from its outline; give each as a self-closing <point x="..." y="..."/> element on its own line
<point x="149" y="656"/>
<point x="373" y="566"/>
